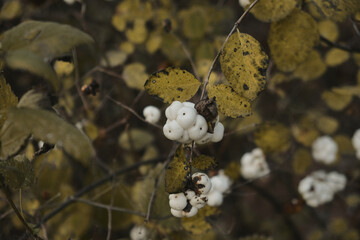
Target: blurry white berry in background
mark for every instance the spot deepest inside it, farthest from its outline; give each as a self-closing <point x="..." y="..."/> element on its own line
<point x="253" y="164"/>
<point x="139" y="232"/>
<point x="356" y="142"/>
<point x="324" y="149"/>
<point x="152" y="114"/>
<point x="185" y="125"/>
<point x="320" y="187"/>
<point x="70" y="2"/>
<point x="220" y="185"/>
<point x="244" y="3"/>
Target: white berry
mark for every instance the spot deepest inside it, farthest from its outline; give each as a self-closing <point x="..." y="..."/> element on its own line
<point x="244" y="3"/>
<point x="185" y="137"/>
<point x="356" y="143"/>
<point x="189" y="194"/>
<point x="220" y="183"/>
<point x="172" y="130"/>
<point x="177" y="201"/>
<point x="199" y="129"/>
<point x="172" y="111"/>
<point x="151" y="114"/>
<point x="218" y="132"/>
<point x="186" y="117"/>
<point x="202" y="182"/>
<point x="253" y="165"/>
<point x="176" y="213"/>
<point x="336" y="181"/>
<point x="139" y="233"/>
<point x="215" y="199"/>
<point x="205" y="139"/>
<point x="324" y="150"/>
<point x="193" y="211"/>
<point x="199" y="201"/>
<point x="189" y="104"/>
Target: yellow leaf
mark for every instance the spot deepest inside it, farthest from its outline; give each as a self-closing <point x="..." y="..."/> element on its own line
<point x="273" y="137"/>
<point x="312" y="68"/>
<point x="119" y="22"/>
<point x="273" y="10"/>
<point x="302" y="161"/>
<point x="337" y="10"/>
<point x="327" y="125"/>
<point x="172" y="49"/>
<point x="204" y="162"/>
<point x="153" y="43"/>
<point x="291" y="39"/>
<point x="10" y="10"/>
<point x="135" y="139"/>
<point x="344" y="143"/>
<point x="194" y="22"/>
<point x="232" y="170"/>
<point x="198" y="225"/>
<point x="63" y="68"/>
<point x="127" y="47"/>
<point x="7" y="99"/>
<point x="134" y="75"/>
<point x="177" y="172"/>
<point x="338" y="226"/>
<point x="336" y="101"/>
<point x="304" y="131"/>
<point x="138" y="34"/>
<point x="113" y="58"/>
<point x="229" y="102"/>
<point x="335" y="57"/>
<point x="172" y="84"/>
<point x="329" y="30"/>
<point x="244" y="65"/>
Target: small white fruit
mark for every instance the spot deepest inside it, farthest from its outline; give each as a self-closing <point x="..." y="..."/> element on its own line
<point x="220" y="183"/>
<point x="172" y="130"/>
<point x="218" y="132"/>
<point x="202" y="182"/>
<point x="205" y="139"/>
<point x="177" y="201"/>
<point x="193" y="211"/>
<point x="176" y="213"/>
<point x="186" y="117"/>
<point x="151" y="114"/>
<point x="199" y="201"/>
<point x="189" y="194"/>
<point x="185" y="138"/>
<point x="199" y="129"/>
<point x="215" y="199"/>
<point x="139" y="233"/>
<point x="189" y="104"/>
<point x="172" y="111"/>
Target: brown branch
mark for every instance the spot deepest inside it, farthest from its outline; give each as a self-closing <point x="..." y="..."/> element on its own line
<point x="222" y="47"/>
<point x="77" y="80"/>
<point x="339" y="46"/>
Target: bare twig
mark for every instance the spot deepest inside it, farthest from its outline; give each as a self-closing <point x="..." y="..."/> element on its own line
<point x="187" y="53"/>
<point x="132" y="111"/>
<point x="77" y="80"/>
<point x="16" y="210"/>
<point x="222" y="47"/>
<point x="43" y="228"/>
<point x="5" y="214"/>
<point x="339" y="46"/>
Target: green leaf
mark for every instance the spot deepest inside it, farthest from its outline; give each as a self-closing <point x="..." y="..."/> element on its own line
<point x="46" y="39"/>
<point x="45" y="126"/>
<point x="172" y="84"/>
<point x="7" y="99"/>
<point x="135" y="139"/>
<point x="34" y="99"/>
<point x="244" y="65"/>
<point x="291" y="39"/>
<point x="177" y="172"/>
<point x="29" y="61"/>
<point x="135" y="75"/>
<point x="204" y="162"/>
<point x="194" y="22"/>
<point x="17" y="172"/>
<point x="229" y="102"/>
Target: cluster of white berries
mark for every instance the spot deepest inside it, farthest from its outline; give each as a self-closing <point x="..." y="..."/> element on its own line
<point x="253" y="164"/>
<point x="356" y="142"/>
<point x="320" y="187"/>
<point x="220" y="184"/>
<point x="324" y="149"/>
<point x="187" y="204"/>
<point x="139" y="232"/>
<point x="152" y="114"/>
<point x="185" y="125"/>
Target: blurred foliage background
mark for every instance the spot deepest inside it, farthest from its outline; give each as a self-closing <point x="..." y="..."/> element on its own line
<point x="313" y="89"/>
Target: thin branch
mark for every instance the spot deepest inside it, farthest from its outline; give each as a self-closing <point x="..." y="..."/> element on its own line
<point x="5" y="214"/>
<point x="92" y="186"/>
<point x="339" y="46"/>
<point x="132" y="111"/>
<point x="16" y="210"/>
<point x="187" y="53"/>
<point x="77" y="80"/>
<point x="222" y="47"/>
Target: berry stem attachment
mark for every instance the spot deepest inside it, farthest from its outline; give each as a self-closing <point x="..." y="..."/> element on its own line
<point x="222" y="47"/>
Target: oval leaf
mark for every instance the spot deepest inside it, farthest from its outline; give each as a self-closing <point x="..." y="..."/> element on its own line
<point x="273" y="10"/>
<point x="17" y="172"/>
<point x="172" y="84"/>
<point x="46" y="39"/>
<point x="177" y="172"/>
<point x="229" y="102"/>
<point x="244" y="65"/>
<point x="7" y="99"/>
<point x="203" y="162"/>
<point x="291" y="39"/>
<point x="48" y="127"/>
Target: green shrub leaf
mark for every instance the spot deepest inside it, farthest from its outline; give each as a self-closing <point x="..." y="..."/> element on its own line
<point x="7" y="99"/>
<point x="17" y="172"/>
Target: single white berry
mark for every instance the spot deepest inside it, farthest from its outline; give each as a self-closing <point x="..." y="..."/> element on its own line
<point x="205" y="139"/>
<point x="336" y="181"/>
<point x="139" y="232"/>
<point x="324" y="149"/>
<point x="199" y="128"/>
<point x="186" y="117"/>
<point x="172" y="130"/>
<point x="193" y="211"/>
<point x="189" y="104"/>
<point x="218" y="132"/>
<point x="202" y="182"/>
<point x="172" y="111"/>
<point x="356" y="142"/>
<point x="185" y="137"/>
<point x="220" y="183"/>
<point x="215" y="198"/>
<point x="244" y="3"/>
<point x="70" y="2"/>
<point x="253" y="165"/>
<point x="199" y="201"/>
<point x="151" y="114"/>
<point x="176" y="213"/>
<point x="177" y="201"/>
<point x="189" y="194"/>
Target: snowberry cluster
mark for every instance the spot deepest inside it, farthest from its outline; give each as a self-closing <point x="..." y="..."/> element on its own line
<point x="220" y="184"/>
<point x="185" y="125"/>
<point x="139" y="232"/>
<point x="320" y="187"/>
<point x="356" y="142"/>
<point x="324" y="149"/>
<point x="151" y="114"/>
<point x="187" y="204"/>
<point x="253" y="164"/>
